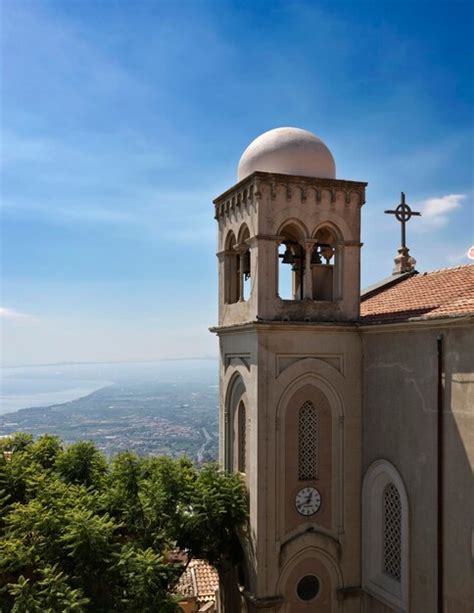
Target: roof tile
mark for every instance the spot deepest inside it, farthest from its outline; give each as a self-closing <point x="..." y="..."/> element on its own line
<point x="448" y="292"/>
<point x="200" y="580"/>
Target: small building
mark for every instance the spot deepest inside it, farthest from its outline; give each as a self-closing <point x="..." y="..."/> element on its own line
<point x="198" y="586"/>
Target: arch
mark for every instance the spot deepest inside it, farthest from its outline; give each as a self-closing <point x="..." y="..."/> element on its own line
<point x="294" y="567"/>
<point x="231" y="269"/>
<point x="233" y="437"/>
<point x="244" y="257"/>
<point x="243" y="233"/>
<point x="303" y="381"/>
<point x="325" y="263"/>
<point x="229" y="241"/>
<point x="320" y="374"/>
<point x="385" y="535"/>
<point x="235" y="393"/>
<point x="334" y="228"/>
<point x="295" y="227"/>
<point x="339" y="226"/>
<point x="291" y="259"/>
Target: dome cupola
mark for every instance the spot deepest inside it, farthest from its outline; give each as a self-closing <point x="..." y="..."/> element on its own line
<point x="289" y="151"/>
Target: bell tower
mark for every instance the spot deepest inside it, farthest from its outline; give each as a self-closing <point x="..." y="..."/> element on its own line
<point x="290" y="391"/>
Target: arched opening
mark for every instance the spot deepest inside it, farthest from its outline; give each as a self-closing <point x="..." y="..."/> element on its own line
<point x="323" y="265"/>
<point x="231" y="270"/>
<point x="291" y="257"/>
<point x="235" y="426"/>
<point x="308" y="581"/>
<point x="385" y="535"/>
<point x="245" y="271"/>
<point x="309" y="452"/>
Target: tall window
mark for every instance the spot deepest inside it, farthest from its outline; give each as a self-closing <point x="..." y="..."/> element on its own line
<point x="242" y="438"/>
<point x="392" y="532"/>
<point x="231" y="271"/>
<point x="291" y="267"/>
<point x="322" y="265"/>
<point x="308" y="442"/>
<point x="385" y="536"/>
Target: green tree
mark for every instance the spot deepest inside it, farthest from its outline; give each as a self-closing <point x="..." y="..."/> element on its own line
<point x="82" y="463"/>
<point x="218" y="508"/>
<point x="80" y="534"/>
<point x="46" y="449"/>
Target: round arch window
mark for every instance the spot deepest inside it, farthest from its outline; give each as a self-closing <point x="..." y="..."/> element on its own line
<point x="308" y="587"/>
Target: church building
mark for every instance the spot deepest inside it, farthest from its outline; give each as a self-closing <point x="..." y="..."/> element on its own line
<point x="348" y="414"/>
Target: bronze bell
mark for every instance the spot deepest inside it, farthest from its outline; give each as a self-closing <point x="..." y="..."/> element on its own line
<point x="288" y="257"/>
<point x="315" y="256"/>
<point x="245" y="263"/>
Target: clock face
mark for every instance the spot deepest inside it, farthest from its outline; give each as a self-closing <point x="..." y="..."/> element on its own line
<point x="308" y="501"/>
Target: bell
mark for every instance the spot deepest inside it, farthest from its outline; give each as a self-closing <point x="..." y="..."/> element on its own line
<point x="288" y="257"/>
<point x="315" y="257"/>
<point x="245" y="263"/>
<point x="327" y="252"/>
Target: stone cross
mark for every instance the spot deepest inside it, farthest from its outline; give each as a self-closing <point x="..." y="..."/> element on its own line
<point x="403" y="213"/>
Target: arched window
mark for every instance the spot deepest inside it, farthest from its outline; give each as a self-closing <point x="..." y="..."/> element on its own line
<point x="242" y="438"/>
<point x="234" y="398"/>
<point x="245" y="273"/>
<point x="231" y="271"/>
<point x="385" y="537"/>
<point x="291" y="256"/>
<point x="308" y="442"/>
<point x="323" y="263"/>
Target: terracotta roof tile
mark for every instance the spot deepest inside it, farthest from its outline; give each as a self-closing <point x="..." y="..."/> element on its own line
<point x="200" y="580"/>
<point x="431" y="295"/>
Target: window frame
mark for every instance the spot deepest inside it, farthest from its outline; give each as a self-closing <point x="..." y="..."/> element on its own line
<point x="374" y="580"/>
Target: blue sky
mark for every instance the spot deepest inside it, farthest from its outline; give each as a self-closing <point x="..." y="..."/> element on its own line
<point x="122" y="120"/>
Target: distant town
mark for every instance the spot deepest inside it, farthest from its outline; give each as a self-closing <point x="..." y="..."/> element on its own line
<point x="149" y="418"/>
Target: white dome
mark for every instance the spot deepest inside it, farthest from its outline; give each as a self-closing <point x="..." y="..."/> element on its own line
<point x="288" y="151"/>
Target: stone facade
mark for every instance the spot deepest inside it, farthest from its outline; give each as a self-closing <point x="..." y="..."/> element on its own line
<point x="364" y="537"/>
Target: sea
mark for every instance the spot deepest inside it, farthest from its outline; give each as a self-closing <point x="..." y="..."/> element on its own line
<point x="24" y="387"/>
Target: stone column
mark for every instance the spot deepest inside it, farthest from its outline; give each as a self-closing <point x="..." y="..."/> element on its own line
<point x="308" y="273"/>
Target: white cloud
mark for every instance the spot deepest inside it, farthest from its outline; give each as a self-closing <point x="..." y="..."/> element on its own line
<point x="11" y="314"/>
<point x="436" y="211"/>
<point x="457" y="257"/>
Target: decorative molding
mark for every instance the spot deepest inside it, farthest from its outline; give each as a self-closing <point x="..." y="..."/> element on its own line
<point x="284" y="361"/>
<point x="307" y="536"/>
<point x="237" y="359"/>
<point x="247" y="192"/>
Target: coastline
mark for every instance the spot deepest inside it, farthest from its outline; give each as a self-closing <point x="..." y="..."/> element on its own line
<point x="10" y="404"/>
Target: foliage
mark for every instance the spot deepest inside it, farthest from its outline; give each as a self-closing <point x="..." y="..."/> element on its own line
<point x="80" y="534"/>
<point x="82" y="463"/>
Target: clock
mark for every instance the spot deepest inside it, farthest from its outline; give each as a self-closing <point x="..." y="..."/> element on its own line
<point x="308" y="501"/>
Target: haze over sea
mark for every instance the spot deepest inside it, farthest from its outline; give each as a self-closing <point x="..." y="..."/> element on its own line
<point x="42" y="386"/>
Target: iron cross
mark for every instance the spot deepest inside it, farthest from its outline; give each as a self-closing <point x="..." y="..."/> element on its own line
<point x="403" y="213"/>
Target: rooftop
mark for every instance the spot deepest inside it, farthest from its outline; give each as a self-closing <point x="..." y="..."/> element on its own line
<point x="448" y="292"/>
<point x="200" y="580"/>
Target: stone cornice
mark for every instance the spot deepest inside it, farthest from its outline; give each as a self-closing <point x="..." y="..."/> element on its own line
<point x="359" y="326"/>
<point x="248" y="190"/>
<point x="254" y="326"/>
<point x="413" y="324"/>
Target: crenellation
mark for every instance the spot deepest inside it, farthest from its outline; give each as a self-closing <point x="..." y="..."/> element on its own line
<point x="297" y="190"/>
